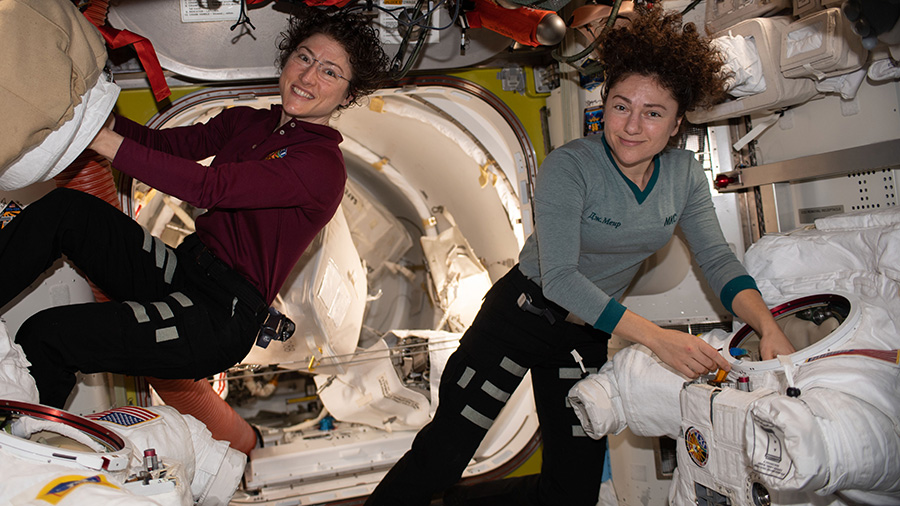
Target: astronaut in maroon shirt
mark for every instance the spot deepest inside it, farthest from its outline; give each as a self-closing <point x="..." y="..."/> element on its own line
<point x="277" y="178"/>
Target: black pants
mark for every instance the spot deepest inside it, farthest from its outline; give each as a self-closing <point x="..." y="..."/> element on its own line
<point x="494" y="354"/>
<point x="168" y="318"/>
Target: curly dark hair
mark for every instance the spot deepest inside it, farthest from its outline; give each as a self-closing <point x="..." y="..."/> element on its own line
<point x="655" y="45"/>
<point x="353" y="32"/>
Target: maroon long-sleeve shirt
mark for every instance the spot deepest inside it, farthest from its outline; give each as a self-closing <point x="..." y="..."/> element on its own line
<point x="268" y="192"/>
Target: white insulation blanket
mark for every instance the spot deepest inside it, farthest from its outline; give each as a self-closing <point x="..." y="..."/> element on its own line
<point x="840" y="439"/>
<point x="16" y="384"/>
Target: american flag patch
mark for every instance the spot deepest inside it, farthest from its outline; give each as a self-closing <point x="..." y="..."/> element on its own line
<point x="125" y="416"/>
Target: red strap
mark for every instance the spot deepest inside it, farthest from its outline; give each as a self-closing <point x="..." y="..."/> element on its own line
<point x="146" y="54"/>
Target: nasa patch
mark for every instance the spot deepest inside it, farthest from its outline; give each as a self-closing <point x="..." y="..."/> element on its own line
<point x="696" y="446"/>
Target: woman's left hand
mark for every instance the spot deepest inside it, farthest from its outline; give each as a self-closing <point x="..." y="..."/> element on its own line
<point x="749" y="306"/>
<point x="774" y="343"/>
<point x="106" y="143"/>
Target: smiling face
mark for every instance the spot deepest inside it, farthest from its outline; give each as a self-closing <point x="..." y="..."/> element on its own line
<point x="639" y="117"/>
<point x="305" y="95"/>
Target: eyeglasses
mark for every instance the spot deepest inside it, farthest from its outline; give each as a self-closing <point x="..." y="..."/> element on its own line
<point x="327" y="72"/>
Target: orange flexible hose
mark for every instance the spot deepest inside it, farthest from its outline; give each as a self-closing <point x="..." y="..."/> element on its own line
<point x="198" y="399"/>
<point x="91" y="173"/>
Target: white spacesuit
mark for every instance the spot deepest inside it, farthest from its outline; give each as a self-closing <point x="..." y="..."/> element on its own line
<point x="821" y="426"/>
<point x="129" y="455"/>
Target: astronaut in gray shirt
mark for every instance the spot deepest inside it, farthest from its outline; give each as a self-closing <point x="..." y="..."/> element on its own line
<point x="602" y="205"/>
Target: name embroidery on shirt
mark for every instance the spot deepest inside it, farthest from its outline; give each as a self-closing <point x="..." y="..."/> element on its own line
<point x="604" y="220"/>
<point x="281" y="153"/>
<point x="671" y="220"/>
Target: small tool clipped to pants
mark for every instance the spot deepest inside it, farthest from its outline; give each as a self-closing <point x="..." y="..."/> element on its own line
<point x="525" y="304"/>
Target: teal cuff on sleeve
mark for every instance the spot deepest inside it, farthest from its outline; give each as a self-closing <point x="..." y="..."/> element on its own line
<point x="734" y="287"/>
<point x="610" y="316"/>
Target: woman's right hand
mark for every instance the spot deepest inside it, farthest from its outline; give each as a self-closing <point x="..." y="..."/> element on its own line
<point x="687" y="354"/>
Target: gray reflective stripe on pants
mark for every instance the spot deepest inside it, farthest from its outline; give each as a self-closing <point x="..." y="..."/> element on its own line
<point x="182" y="299"/>
<point x="165" y="257"/>
<point x="578" y="431"/>
<point x="574" y="372"/>
<point x="166" y="334"/>
<point x="148" y="241"/>
<point x="492" y="390"/>
<point x="171" y="263"/>
<point x="140" y="312"/>
<point x="477" y="418"/>
<point x="159" y="251"/>
<point x="466" y="377"/>
<point x="512" y="367"/>
<point x="164" y="310"/>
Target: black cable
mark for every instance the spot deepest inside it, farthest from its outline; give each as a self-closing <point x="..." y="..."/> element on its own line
<point x="243" y="18"/>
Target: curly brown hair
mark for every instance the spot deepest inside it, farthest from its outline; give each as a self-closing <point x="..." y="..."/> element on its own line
<point x="353" y="32"/>
<point x="655" y="45"/>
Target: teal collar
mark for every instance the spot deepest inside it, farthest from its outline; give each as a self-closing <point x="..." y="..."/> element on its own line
<point x="639" y="195"/>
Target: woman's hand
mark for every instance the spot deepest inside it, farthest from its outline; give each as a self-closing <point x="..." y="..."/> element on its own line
<point x="749" y="306"/>
<point x="687" y="354"/>
<point x="106" y="143"/>
<point x="774" y="343"/>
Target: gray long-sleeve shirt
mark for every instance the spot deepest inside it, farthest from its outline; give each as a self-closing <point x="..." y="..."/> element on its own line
<point x="594" y="227"/>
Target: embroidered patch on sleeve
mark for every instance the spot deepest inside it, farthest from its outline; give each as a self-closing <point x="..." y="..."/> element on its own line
<point x="281" y="153"/>
<point x="56" y="490"/>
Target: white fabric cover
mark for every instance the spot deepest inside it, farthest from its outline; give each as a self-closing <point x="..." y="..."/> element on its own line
<point x="371" y="393"/>
<point x="63" y="145"/>
<point x="723" y="14"/>
<point x="780" y="91"/>
<point x="25" y="427"/>
<point x="831" y="441"/>
<point x="821" y="45"/>
<point x="212" y="468"/>
<point x="16" y="384"/>
<point x="845" y="85"/>
<point x="460" y="279"/>
<point x="883" y="70"/>
<point x="325" y="296"/>
<point x="742" y="65"/>
<point x="859" y="219"/>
